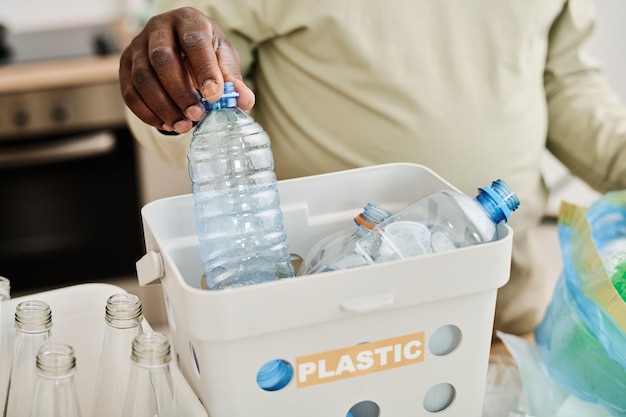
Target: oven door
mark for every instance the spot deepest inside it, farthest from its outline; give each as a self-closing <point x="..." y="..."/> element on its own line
<point x="69" y="209"/>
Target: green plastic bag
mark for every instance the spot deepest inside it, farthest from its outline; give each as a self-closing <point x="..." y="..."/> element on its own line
<point x="582" y="338"/>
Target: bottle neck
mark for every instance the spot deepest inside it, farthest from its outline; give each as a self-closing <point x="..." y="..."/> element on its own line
<point x="56" y="361"/>
<point x="370" y="217"/>
<point x="498" y="201"/>
<point x="33" y="317"/>
<point x="55" y="393"/>
<point x="151" y="350"/>
<point x="123" y="311"/>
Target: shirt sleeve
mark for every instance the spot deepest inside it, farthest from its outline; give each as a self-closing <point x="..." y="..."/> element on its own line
<point x="587" y="121"/>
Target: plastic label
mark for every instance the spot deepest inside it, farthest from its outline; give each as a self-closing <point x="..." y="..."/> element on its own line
<point x="365" y="358"/>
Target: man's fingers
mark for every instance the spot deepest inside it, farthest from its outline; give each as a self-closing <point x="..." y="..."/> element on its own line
<point x="149" y="87"/>
<point x="131" y="96"/>
<point x="198" y="38"/>
<point x="169" y="68"/>
<point x="135" y="102"/>
<point x="177" y="54"/>
<point x="230" y="67"/>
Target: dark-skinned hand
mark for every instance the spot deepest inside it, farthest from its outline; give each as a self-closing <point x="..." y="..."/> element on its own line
<point x="176" y="55"/>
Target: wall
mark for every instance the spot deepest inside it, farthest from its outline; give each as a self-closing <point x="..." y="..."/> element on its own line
<point x="35" y="15"/>
<point x="609" y="48"/>
<point x="608" y="44"/>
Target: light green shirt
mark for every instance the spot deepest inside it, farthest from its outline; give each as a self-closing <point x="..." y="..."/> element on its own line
<point x="473" y="89"/>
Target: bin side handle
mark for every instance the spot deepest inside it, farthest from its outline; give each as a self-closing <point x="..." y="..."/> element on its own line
<point x="149" y="268"/>
<point x="368" y="303"/>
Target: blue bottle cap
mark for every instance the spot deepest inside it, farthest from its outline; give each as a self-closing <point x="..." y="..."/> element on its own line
<point x="228" y="99"/>
<point x="498" y="200"/>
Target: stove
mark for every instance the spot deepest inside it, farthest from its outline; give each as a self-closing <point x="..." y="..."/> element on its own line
<point x="54" y="81"/>
<point x="68" y="171"/>
<point x="56" y="44"/>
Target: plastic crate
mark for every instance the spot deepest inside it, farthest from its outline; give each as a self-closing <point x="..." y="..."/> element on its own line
<point x="78" y="320"/>
<point x="403" y="338"/>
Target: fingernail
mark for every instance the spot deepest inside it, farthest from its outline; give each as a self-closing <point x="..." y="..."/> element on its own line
<point x="182" y="126"/>
<point x="209" y="89"/>
<point x="194" y="112"/>
<point x="167" y="127"/>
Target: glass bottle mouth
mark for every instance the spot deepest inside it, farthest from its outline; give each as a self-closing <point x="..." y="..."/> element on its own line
<point x="123" y="311"/>
<point x="151" y="349"/>
<point x="56" y="360"/>
<point x="33" y="316"/>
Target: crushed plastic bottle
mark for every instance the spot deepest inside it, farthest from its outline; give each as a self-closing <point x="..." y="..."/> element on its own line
<point x="331" y="246"/>
<point x="439" y="222"/>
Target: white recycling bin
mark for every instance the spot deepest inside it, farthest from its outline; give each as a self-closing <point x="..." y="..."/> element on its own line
<point x="407" y="338"/>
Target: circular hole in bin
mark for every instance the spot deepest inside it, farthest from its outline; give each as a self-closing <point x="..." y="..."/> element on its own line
<point x="170" y="313"/>
<point x="364" y="409"/>
<point x="439" y="397"/>
<point x="274" y="375"/>
<point x="445" y="340"/>
<point x="194" y="360"/>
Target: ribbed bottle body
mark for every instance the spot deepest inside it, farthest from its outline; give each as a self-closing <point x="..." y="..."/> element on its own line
<point x="237" y="204"/>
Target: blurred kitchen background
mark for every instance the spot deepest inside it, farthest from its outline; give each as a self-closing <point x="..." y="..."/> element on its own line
<point x="72" y="181"/>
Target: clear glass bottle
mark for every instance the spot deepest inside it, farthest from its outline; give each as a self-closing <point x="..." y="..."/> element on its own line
<point x="123" y="317"/>
<point x="237" y="205"/>
<point x="6" y="339"/>
<point x="150" y="391"/>
<point x="33" y="322"/>
<point x="55" y="391"/>
<point x="331" y="246"/>
<point x="439" y="222"/>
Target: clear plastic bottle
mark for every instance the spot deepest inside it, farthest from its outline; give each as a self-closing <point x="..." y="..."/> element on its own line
<point x="55" y="391"/>
<point x="331" y="246"/>
<point x="150" y="391"/>
<point x="6" y="339"/>
<point x="439" y="222"/>
<point x="123" y="317"/>
<point x="237" y="205"/>
<point x="33" y="321"/>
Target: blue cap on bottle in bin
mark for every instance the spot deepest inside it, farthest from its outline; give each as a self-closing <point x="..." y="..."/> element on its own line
<point x="498" y="200"/>
<point x="228" y="99"/>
